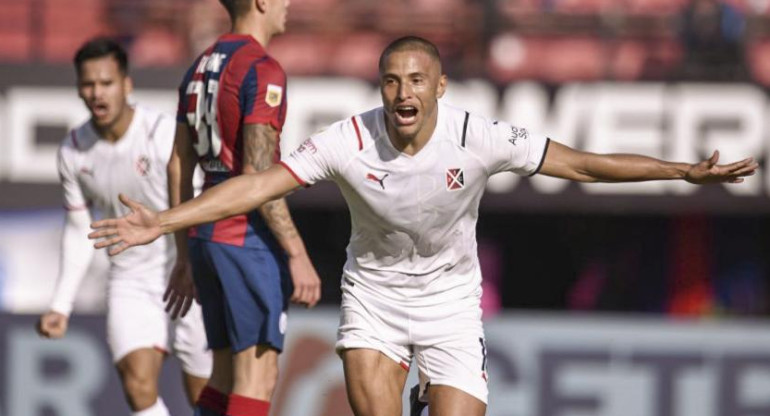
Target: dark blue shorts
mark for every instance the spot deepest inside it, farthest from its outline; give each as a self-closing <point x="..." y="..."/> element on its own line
<point x="244" y="294"/>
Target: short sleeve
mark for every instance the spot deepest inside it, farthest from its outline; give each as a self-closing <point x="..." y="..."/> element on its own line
<point x="263" y="94"/>
<point x="503" y="147"/>
<point x="73" y="193"/>
<point x="320" y="157"/>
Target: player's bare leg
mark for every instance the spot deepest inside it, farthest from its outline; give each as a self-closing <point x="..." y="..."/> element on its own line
<point x="221" y="378"/>
<point x="374" y="382"/>
<point x="255" y="372"/>
<point x="139" y="371"/>
<point x="450" y="401"/>
<point x="193" y="385"/>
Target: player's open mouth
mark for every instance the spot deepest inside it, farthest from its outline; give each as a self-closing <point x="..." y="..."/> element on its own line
<point x="99" y="110"/>
<point x="406" y="114"/>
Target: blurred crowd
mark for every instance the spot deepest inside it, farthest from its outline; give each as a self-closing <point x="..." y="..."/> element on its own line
<point x="503" y="40"/>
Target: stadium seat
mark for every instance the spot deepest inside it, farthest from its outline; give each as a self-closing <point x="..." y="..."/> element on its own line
<point x="16" y="31"/>
<point x="758" y="61"/>
<point x="66" y="25"/>
<point x="302" y="54"/>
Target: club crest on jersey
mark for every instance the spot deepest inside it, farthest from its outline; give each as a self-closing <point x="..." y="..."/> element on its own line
<point x="142" y="165"/>
<point x="274" y="95"/>
<point x="455" y="180"/>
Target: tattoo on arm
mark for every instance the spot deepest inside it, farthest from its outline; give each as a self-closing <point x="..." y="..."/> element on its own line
<point x="259" y="141"/>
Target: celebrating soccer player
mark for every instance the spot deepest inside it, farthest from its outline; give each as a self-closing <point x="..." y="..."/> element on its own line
<point x="123" y="148"/>
<point x="412" y="172"/>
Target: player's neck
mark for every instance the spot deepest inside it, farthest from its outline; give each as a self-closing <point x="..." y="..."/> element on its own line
<point x="411" y="145"/>
<point x="250" y="26"/>
<point x="116" y="130"/>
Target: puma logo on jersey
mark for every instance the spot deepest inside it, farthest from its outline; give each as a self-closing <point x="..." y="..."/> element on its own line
<point x="455" y="179"/>
<point x="373" y="178"/>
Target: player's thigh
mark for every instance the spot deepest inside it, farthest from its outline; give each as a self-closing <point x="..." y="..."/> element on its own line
<point x="451" y="401"/>
<point x="190" y="345"/>
<point x="254" y="301"/>
<point x="370" y="322"/>
<point x="135" y="320"/>
<point x="374" y="382"/>
<point x="450" y="350"/>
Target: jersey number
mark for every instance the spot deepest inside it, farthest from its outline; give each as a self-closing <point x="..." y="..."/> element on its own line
<point x="204" y="118"/>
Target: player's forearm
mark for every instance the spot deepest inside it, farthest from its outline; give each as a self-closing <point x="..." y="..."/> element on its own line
<point x="276" y="215"/>
<point x="629" y="168"/>
<point x="180" y="189"/>
<point x="76" y="255"/>
<point x="234" y="196"/>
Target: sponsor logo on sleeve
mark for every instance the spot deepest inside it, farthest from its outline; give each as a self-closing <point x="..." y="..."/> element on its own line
<point x="455" y="180"/>
<point x="274" y="95"/>
<point x="307" y="145"/>
<point x="518" y="133"/>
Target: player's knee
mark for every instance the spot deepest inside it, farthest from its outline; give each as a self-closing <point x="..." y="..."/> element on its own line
<point x="141" y="390"/>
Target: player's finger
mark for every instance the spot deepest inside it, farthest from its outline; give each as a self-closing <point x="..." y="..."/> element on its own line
<point x="166" y="294"/>
<point x="129" y="202"/>
<point x="745" y="171"/>
<point x="186" y="306"/>
<point x="739" y="164"/>
<point x="170" y="302"/>
<point x="104" y="223"/>
<point x="714" y="158"/>
<point x="117" y="249"/>
<point x="104" y="232"/>
<point x="108" y="242"/>
<point x="177" y="308"/>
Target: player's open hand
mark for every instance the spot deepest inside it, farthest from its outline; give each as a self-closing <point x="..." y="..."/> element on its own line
<point x="141" y="226"/>
<point x="709" y="172"/>
<point x="52" y="325"/>
<point x="307" y="284"/>
<point x="180" y="291"/>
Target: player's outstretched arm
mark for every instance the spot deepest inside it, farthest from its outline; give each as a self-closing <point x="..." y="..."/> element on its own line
<point x="564" y="162"/>
<point x="259" y="142"/>
<point x="234" y="196"/>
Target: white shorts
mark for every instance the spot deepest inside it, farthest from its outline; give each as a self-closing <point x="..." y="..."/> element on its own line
<point x="446" y="340"/>
<point x="136" y="318"/>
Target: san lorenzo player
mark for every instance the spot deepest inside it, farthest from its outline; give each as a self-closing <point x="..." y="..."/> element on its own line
<point x="123" y="148"/>
<point x="232" y="106"/>
<point x="412" y="173"/>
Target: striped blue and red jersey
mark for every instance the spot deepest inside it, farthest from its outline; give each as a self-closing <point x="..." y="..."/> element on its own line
<point x="234" y="83"/>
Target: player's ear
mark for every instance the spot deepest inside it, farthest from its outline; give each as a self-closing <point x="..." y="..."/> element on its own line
<point x="442" y="83"/>
<point x="261" y="5"/>
<point x="128" y="85"/>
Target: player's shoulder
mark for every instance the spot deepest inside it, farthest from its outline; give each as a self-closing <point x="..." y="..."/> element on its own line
<point x="363" y="130"/>
<point x="154" y="123"/>
<point x="79" y="139"/>
<point x="460" y="125"/>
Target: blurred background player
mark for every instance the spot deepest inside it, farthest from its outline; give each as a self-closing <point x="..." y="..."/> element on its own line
<point x="413" y="172"/>
<point x="123" y="148"/>
<point x="232" y="107"/>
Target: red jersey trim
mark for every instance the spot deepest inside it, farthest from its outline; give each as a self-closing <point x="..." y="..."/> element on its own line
<point x="294" y="175"/>
<point x="358" y="133"/>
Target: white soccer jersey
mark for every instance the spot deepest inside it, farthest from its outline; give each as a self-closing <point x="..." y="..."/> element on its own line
<point x="413" y="237"/>
<point x="94" y="171"/>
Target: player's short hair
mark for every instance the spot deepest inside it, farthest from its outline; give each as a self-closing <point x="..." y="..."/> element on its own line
<point x="236" y="7"/>
<point x="99" y="48"/>
<point x="409" y="43"/>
